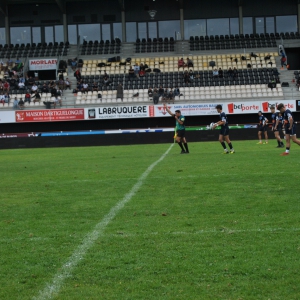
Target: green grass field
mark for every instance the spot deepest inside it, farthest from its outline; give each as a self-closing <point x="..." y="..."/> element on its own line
<point x="197" y="226"/>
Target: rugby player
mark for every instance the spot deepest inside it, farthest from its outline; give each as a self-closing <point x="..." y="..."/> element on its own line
<point x="224" y="132"/>
<point x="276" y="126"/>
<point x="290" y="128"/>
<point x="262" y="127"/>
<point x="180" y="129"/>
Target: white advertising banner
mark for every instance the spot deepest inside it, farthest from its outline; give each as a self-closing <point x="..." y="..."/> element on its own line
<point x="193" y="109"/>
<point x="42" y="64"/>
<point x="251" y="107"/>
<point x="7" y="116"/>
<point x="117" y="112"/>
<point x="145" y="111"/>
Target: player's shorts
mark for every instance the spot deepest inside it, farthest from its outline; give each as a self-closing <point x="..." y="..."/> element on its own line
<point x="224" y="130"/>
<point x="181" y="133"/>
<point x="292" y="131"/>
<point x="279" y="128"/>
<point x="262" y="128"/>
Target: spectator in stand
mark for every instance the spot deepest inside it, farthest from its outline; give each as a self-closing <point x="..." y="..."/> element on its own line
<point x="142" y="73"/>
<point x="57" y="100"/>
<point x="155" y="96"/>
<point x="31" y="81"/>
<point x="131" y="73"/>
<point x="150" y="92"/>
<point x="2" y="98"/>
<point x="52" y="84"/>
<point x="95" y="87"/>
<point x="68" y="84"/>
<point x="186" y="77"/>
<point x="59" y="92"/>
<point x="27" y="97"/>
<point x="34" y="88"/>
<point x="189" y="63"/>
<point x="1" y="85"/>
<point x="235" y="73"/>
<point x="6" y="98"/>
<point x="13" y="83"/>
<point x="61" y="84"/>
<point x="44" y="89"/>
<point x="77" y="74"/>
<point x="120" y="91"/>
<point x="21" y="85"/>
<point x="136" y="69"/>
<point x="230" y="73"/>
<point x="176" y="91"/>
<point x="73" y="64"/>
<point x="85" y="87"/>
<point x="192" y="75"/>
<point x="142" y="67"/>
<point x="181" y="63"/>
<point x="9" y="62"/>
<point x="22" y="79"/>
<point x="36" y="96"/>
<point x="220" y="73"/>
<point x="283" y="59"/>
<point x="106" y="80"/>
<point x="105" y="74"/>
<point x="215" y="73"/>
<point x="79" y="87"/>
<point x="6" y="86"/>
<point x="53" y="91"/>
<point x="298" y="83"/>
<point x="16" y="103"/>
<point x="17" y="61"/>
<point x="160" y="91"/>
<point x="171" y="96"/>
<point x="165" y="96"/>
<point x="21" y="104"/>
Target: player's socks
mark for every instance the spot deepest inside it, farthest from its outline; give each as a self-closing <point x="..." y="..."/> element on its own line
<point x="186" y="147"/>
<point x="223" y="145"/>
<point x="287" y="151"/>
<point x="180" y="145"/>
<point x="230" y="146"/>
<point x="279" y="143"/>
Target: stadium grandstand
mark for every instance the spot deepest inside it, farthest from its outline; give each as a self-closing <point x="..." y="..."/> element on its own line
<point x="108" y="38"/>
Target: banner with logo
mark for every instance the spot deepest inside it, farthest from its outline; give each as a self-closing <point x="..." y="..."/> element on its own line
<point x="255" y="106"/>
<point x="49" y="115"/>
<point x="42" y="64"/>
<point x="193" y="109"/>
<point x="117" y="112"/>
<point x="141" y="111"/>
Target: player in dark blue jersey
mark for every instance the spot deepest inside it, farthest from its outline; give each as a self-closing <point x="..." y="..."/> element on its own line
<point x="262" y="127"/>
<point x="290" y="128"/>
<point x="276" y="126"/>
<point x="180" y="130"/>
<point x="224" y="132"/>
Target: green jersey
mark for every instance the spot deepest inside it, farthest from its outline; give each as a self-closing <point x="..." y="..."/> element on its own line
<point x="180" y="126"/>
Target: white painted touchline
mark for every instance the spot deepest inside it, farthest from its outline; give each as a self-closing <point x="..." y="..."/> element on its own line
<point x="53" y="287"/>
<point x="202" y="231"/>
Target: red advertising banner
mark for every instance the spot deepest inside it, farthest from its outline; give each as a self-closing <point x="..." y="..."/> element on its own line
<point x="50" y="115"/>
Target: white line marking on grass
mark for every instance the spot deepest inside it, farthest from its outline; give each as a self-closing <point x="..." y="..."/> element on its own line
<point x="54" y="287"/>
<point x="204" y="231"/>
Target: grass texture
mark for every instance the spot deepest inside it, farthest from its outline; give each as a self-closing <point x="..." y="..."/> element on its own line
<point x="201" y="226"/>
